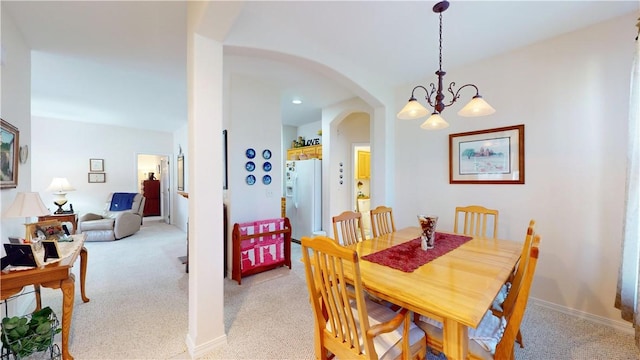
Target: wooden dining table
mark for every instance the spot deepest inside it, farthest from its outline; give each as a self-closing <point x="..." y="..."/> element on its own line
<point x="456" y="288"/>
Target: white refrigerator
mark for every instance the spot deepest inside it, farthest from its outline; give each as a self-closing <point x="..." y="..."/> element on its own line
<point x="303" y="192"/>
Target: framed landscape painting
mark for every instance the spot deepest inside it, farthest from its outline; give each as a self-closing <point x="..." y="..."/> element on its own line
<point x="9" y="142"/>
<point x="493" y="156"/>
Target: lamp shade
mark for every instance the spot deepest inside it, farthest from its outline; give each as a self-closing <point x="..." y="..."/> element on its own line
<point x="434" y="122"/>
<point x="413" y="110"/>
<point x="477" y="107"/>
<point x="27" y="204"/>
<point x="60" y="186"/>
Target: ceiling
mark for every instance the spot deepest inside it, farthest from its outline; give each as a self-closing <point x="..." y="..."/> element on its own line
<point x="124" y="62"/>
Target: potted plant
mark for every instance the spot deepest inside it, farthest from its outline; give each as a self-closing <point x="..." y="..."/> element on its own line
<point x="24" y="335"/>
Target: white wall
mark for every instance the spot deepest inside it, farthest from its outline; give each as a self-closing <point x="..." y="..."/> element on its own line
<point x="118" y="146"/>
<point x="572" y="94"/>
<point x="258" y="127"/>
<point x="16" y="109"/>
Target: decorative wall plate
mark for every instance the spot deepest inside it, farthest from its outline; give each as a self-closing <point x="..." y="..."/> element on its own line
<point x="251" y="180"/>
<point x="266" y="166"/>
<point x="266" y="179"/>
<point x="250" y="153"/>
<point x="250" y="166"/>
<point x="266" y="154"/>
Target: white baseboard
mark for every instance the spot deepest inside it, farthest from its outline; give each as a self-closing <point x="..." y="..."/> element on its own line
<point x="618" y="325"/>
<point x="199" y="351"/>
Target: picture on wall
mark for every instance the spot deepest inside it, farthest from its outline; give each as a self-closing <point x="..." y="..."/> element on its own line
<point x="493" y="156"/>
<point x="9" y="144"/>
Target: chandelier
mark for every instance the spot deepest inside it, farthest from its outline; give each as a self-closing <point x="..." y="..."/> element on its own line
<point x="414" y="110"/>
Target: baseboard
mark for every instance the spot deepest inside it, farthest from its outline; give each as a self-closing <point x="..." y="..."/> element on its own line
<point x="618" y="325"/>
<point x="199" y="351"/>
<point x="296" y="241"/>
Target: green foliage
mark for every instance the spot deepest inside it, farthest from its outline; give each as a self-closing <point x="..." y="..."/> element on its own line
<point x="24" y="335"/>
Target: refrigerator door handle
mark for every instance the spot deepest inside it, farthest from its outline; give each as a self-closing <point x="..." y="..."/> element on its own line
<point x="295" y="190"/>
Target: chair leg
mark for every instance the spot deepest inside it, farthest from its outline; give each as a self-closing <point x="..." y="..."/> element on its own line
<point x="519" y="339"/>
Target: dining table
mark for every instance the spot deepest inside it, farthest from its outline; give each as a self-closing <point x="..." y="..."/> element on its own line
<point x="456" y="287"/>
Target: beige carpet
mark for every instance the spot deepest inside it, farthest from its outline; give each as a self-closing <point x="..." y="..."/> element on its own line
<point x="138" y="310"/>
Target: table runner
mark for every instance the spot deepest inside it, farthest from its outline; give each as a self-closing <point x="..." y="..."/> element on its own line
<point x="409" y="256"/>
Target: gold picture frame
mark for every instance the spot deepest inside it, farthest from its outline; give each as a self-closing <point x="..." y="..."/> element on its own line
<point x="50" y="229"/>
<point x="9" y="155"/>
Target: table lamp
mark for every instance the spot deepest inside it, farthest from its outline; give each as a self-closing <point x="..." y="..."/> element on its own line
<point x="60" y="188"/>
<point x="27" y="205"/>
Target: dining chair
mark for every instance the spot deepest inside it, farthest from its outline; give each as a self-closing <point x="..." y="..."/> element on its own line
<point x="346" y="323"/>
<point x="475" y="220"/>
<point x="495" y="337"/>
<point x="382" y="221"/>
<point x="347" y="228"/>
<point x="506" y="298"/>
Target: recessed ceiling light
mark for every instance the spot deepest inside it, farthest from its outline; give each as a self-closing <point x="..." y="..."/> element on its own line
<point x="296" y="101"/>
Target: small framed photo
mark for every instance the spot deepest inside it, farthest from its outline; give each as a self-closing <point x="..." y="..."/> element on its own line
<point x="48" y="229"/>
<point x="96" y="165"/>
<point x="492" y="156"/>
<point x="97" y="177"/>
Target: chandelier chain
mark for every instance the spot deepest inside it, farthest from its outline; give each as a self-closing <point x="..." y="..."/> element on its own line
<point x="440" y="47"/>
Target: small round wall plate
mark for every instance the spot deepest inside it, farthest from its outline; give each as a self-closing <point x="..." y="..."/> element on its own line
<point x="251" y="180"/>
<point x="266" y="154"/>
<point x="266" y="179"/>
<point x="266" y="166"/>
<point x="250" y="166"/>
<point x="250" y="153"/>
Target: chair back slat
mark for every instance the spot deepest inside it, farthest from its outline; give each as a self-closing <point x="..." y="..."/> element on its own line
<point x="475" y="221"/>
<point x="347" y="228"/>
<point x="382" y="221"/>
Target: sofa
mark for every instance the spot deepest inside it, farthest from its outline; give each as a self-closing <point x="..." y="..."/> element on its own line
<point x="121" y="217"/>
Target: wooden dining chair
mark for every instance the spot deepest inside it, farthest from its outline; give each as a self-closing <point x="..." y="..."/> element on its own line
<point x="503" y="299"/>
<point x="347" y="228"/>
<point x="504" y="332"/>
<point x="475" y="221"/>
<point x="382" y="221"/>
<point x="347" y="324"/>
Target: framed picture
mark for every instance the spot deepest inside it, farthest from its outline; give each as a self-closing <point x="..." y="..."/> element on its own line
<point x="97" y="177"/>
<point x="180" y="172"/>
<point x="9" y="150"/>
<point x="48" y="229"/>
<point x="96" y="165"/>
<point x="225" y="177"/>
<point x="493" y="156"/>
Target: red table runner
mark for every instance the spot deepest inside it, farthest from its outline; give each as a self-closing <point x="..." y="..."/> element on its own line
<point x="409" y="256"/>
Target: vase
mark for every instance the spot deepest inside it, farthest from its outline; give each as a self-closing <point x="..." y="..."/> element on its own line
<point x="428" y="226"/>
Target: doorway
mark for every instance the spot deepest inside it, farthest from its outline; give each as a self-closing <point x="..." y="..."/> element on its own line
<point x="361" y="188"/>
<point x="153" y="179"/>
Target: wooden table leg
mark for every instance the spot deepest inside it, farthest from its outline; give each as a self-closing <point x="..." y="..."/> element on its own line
<point x="455" y="340"/>
<point x="83" y="272"/>
<point x="68" y="288"/>
<point x="36" y="288"/>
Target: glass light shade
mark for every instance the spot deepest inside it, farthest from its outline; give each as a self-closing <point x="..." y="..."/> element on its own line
<point x="27" y="204"/>
<point x="60" y="186"/>
<point x="413" y="110"/>
<point x="434" y="122"/>
<point x="476" y="107"/>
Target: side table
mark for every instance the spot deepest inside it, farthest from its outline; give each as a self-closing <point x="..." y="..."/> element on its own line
<point x="72" y="218"/>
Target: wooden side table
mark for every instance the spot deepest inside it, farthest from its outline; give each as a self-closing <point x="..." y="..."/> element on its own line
<point x="72" y="218"/>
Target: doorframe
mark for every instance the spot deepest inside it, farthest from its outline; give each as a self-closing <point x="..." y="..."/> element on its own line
<point x="165" y="182"/>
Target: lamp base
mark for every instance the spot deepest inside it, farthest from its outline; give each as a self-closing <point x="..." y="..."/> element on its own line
<point x="60" y="210"/>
